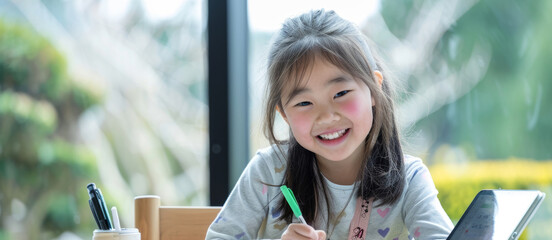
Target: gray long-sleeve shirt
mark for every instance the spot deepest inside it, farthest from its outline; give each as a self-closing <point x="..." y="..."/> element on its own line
<point x="251" y="209"/>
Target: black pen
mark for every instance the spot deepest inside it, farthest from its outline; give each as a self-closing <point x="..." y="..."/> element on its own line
<point x="98" y="207"/>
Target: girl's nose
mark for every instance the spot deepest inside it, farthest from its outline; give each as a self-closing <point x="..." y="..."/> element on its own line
<point x="327" y="116"/>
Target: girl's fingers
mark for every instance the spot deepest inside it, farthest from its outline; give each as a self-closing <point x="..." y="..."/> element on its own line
<point x="321" y="234"/>
<point x="302" y="231"/>
<point x="306" y="231"/>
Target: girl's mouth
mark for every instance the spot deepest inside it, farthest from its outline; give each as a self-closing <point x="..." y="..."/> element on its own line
<point x="334" y="135"/>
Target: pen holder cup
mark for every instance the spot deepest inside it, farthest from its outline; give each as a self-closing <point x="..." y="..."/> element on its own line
<point x="124" y="234"/>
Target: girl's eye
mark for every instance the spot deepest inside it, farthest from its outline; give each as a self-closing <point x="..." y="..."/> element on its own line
<point x="302" y="104"/>
<point x="342" y="93"/>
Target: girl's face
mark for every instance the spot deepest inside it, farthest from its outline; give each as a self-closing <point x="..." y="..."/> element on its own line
<point x="329" y="113"/>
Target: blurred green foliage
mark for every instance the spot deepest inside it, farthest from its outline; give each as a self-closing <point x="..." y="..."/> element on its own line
<point x="42" y="165"/>
<point x="505" y="115"/>
<point x="459" y="183"/>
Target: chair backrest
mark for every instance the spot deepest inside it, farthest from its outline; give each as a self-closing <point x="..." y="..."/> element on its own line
<point x="157" y="222"/>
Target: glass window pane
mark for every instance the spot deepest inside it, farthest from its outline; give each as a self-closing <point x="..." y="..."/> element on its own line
<point x="110" y="92"/>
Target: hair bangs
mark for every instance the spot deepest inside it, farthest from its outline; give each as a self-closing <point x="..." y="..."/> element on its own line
<point x="348" y="56"/>
<point x="299" y="62"/>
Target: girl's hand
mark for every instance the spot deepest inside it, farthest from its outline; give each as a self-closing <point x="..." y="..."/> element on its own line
<point x="303" y="231"/>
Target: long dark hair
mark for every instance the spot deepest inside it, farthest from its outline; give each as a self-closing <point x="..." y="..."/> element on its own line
<point x="293" y="51"/>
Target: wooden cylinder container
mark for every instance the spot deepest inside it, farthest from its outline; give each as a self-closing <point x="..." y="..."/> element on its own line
<point x="146" y="218"/>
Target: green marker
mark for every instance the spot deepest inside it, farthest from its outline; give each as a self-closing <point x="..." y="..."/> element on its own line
<point x="290" y="198"/>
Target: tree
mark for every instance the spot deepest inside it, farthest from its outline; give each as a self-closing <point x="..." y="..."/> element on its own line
<point x="42" y="165"/>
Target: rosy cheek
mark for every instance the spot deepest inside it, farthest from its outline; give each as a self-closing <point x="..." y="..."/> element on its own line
<point x="299" y="124"/>
<point x="351" y="107"/>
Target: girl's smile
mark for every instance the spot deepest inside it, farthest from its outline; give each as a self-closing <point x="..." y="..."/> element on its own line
<point x="329" y="113"/>
<point x="333" y="135"/>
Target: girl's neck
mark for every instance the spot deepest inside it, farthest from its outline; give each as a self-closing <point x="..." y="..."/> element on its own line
<point x="342" y="172"/>
<point x="341" y="175"/>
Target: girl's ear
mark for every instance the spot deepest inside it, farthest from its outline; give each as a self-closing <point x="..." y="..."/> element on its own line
<point x="379" y="77"/>
<point x="379" y="80"/>
<point x="282" y="114"/>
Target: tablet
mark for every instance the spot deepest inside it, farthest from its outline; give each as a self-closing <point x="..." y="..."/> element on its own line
<point x="497" y="214"/>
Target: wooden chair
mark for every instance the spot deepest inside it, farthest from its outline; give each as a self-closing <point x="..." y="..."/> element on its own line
<point x="157" y="222"/>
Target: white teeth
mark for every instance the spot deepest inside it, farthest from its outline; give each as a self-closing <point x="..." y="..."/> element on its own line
<point x="334" y="135"/>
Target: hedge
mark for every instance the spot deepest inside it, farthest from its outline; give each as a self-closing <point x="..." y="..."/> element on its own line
<point x="459" y="183"/>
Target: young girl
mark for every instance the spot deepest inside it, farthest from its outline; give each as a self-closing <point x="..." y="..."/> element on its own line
<point x="343" y="159"/>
